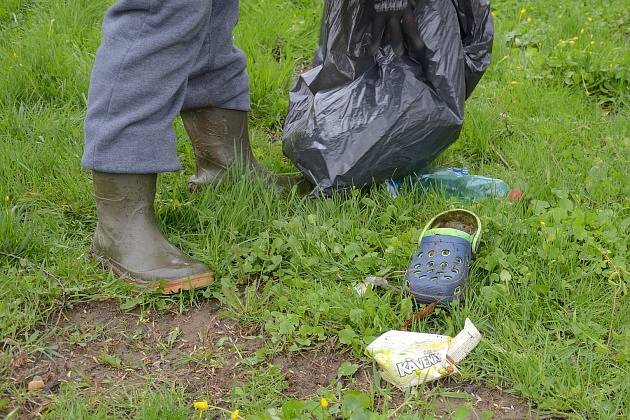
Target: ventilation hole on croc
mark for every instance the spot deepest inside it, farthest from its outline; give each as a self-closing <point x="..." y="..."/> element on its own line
<point x="440" y="273"/>
<point x="455" y="270"/>
<point x="434" y="279"/>
<point x="431" y="253"/>
<point x="446" y="252"/>
<point x="458" y="260"/>
<point x="420" y="254"/>
<point x="458" y="290"/>
<point x="430" y="270"/>
<point x="417" y="267"/>
<point x="444" y="264"/>
<point x="448" y="278"/>
<point x="422" y="277"/>
<point x="430" y="264"/>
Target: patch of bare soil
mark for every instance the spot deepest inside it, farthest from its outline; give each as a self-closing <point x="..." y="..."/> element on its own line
<point x="307" y="372"/>
<point x="483" y="399"/>
<point x="101" y="347"/>
<point x="105" y="349"/>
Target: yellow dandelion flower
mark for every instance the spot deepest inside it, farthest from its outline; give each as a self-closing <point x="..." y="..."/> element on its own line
<point x="523" y="11"/>
<point x="201" y="405"/>
<point x="493" y="14"/>
<point x="236" y="414"/>
<point x="592" y="42"/>
<point x="582" y="30"/>
<point x="513" y="82"/>
<point x="590" y="19"/>
<point x="324" y="403"/>
<point x="571" y="42"/>
<point x="529" y="19"/>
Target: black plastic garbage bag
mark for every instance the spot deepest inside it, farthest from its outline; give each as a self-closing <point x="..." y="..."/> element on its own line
<point x="356" y="118"/>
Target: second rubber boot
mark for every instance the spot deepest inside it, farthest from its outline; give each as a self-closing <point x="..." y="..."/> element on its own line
<point x="128" y="240"/>
<point x="220" y="139"/>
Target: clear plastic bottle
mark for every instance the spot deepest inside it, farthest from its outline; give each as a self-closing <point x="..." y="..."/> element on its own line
<point x="455" y="182"/>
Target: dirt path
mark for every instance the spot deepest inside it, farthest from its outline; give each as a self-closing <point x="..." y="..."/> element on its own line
<point x="104" y="348"/>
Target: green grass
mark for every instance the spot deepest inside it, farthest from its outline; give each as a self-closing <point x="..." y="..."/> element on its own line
<point x="549" y="290"/>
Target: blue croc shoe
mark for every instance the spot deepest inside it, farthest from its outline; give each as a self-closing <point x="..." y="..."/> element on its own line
<point x="439" y="270"/>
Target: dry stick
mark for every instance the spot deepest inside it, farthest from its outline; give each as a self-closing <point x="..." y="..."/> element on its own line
<point x="613" y="310"/>
<point x="617" y="273"/>
<point x="503" y="160"/>
<point x="419" y="315"/>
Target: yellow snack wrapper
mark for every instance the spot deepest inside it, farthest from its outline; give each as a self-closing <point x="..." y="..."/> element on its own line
<point x="408" y="358"/>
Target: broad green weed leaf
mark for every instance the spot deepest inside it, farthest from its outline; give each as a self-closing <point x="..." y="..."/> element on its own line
<point x="347" y="369"/>
<point x="347" y="336"/>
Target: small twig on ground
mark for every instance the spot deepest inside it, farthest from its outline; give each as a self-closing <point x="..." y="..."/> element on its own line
<point x="503" y="159"/>
<point x="236" y="348"/>
<point x="419" y="315"/>
<point x="612" y="312"/>
<point x="617" y="272"/>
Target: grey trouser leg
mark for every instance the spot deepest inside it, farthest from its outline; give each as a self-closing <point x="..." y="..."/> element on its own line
<point x="158" y="57"/>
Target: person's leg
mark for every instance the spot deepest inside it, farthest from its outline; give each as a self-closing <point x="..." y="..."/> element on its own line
<point x="138" y="86"/>
<point x="219" y="75"/>
<point x="217" y="102"/>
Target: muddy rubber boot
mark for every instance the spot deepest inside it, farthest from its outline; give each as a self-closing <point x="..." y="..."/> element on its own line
<point x="128" y="241"/>
<point x="220" y="139"/>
